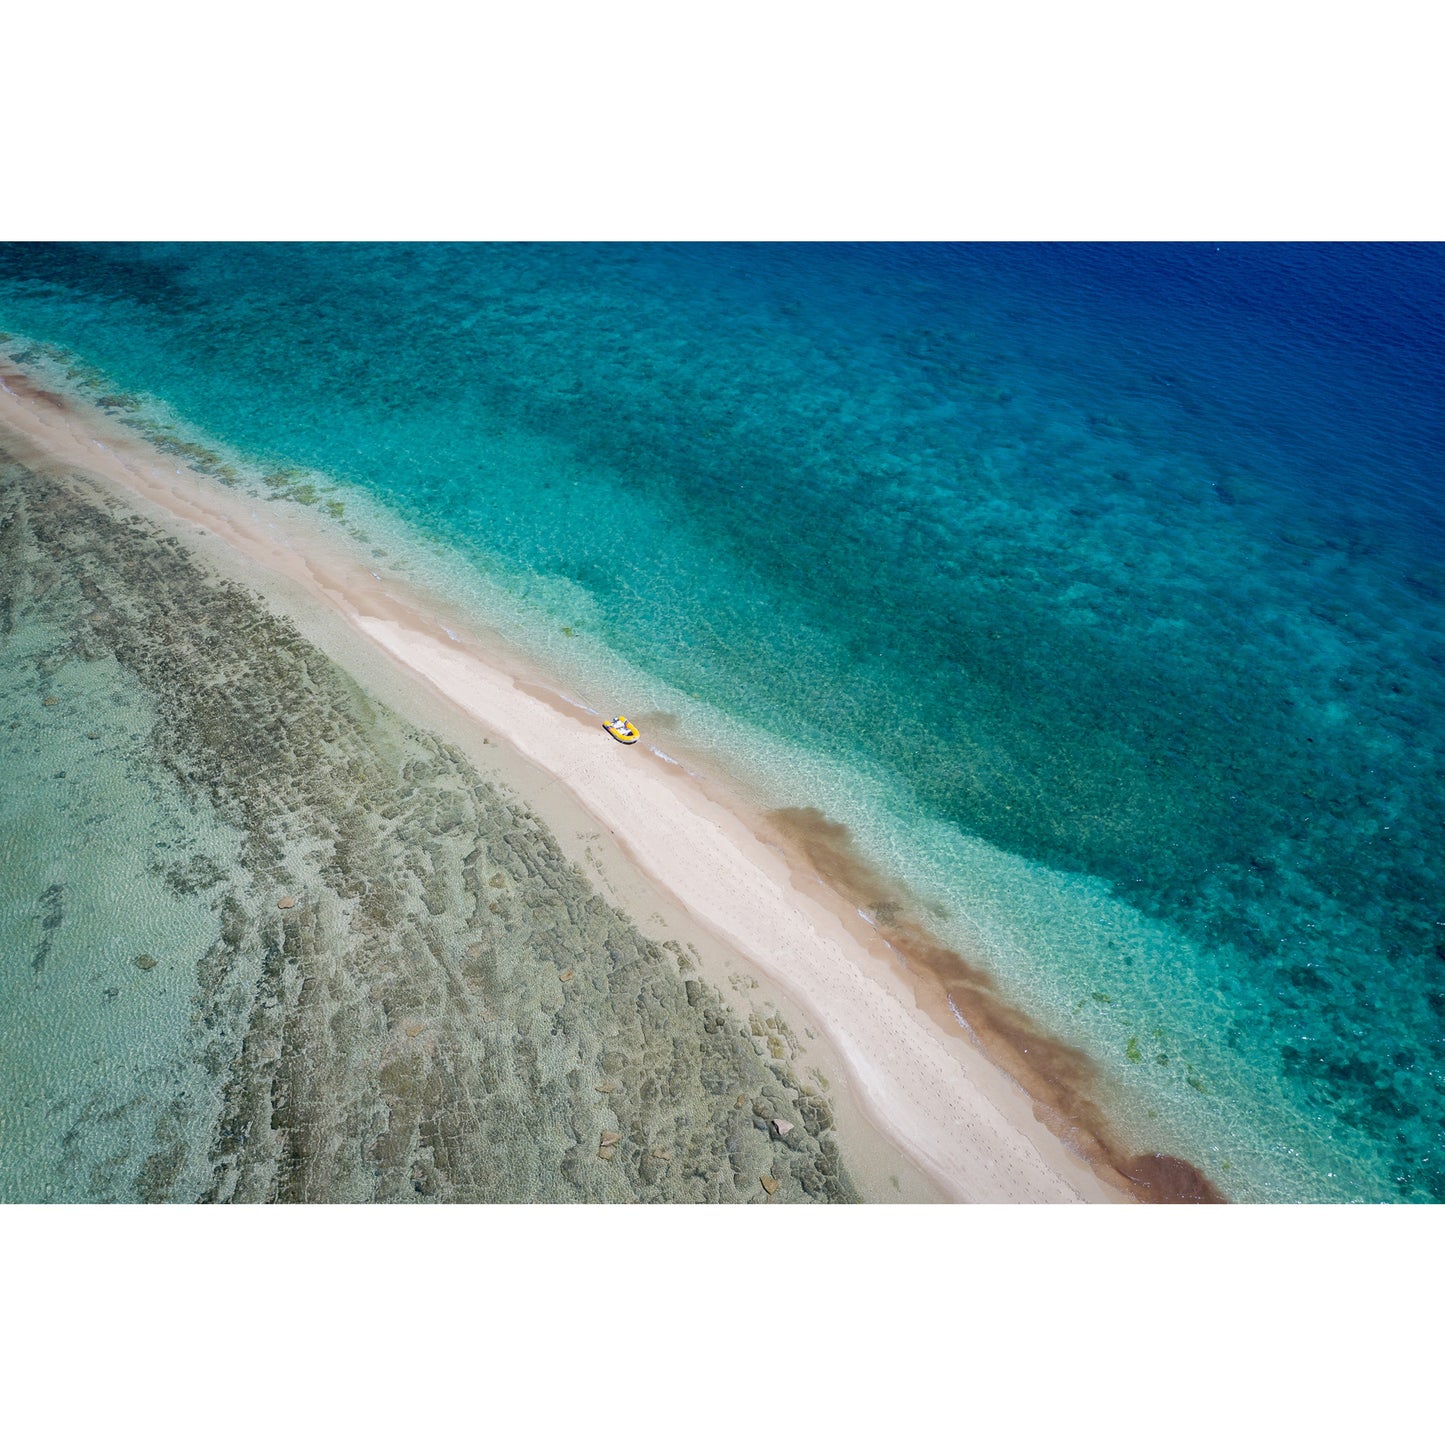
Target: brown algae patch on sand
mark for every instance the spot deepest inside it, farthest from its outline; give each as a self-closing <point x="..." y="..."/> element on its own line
<point x="402" y="1030"/>
<point x="1061" y="1080"/>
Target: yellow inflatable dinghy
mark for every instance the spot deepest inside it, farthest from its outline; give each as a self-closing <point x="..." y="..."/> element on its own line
<point x="622" y="730"/>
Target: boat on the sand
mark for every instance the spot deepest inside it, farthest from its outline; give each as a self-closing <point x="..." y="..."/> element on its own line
<point x="622" y="730"/>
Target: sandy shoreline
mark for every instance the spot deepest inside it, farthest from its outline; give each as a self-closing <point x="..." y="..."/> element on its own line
<point x="933" y="1096"/>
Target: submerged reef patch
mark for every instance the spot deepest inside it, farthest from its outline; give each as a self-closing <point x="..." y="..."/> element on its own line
<point x="441" y="1007"/>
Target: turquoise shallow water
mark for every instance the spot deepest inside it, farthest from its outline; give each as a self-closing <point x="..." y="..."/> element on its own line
<point x="96" y="992"/>
<point x="1096" y="590"/>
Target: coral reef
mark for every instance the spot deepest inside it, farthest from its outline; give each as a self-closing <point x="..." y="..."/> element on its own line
<point x="441" y="1007"/>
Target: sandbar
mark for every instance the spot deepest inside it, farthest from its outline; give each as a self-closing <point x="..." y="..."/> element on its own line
<point x="915" y="1091"/>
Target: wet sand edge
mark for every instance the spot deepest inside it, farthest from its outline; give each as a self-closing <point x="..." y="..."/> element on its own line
<point x="1061" y="1080"/>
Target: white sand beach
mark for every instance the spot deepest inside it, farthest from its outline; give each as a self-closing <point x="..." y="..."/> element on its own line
<point x="916" y="1101"/>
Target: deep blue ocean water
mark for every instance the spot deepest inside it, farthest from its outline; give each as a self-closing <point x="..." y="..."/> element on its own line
<point x="1097" y="588"/>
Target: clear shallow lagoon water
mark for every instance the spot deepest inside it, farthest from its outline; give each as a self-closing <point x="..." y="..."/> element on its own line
<point x="1095" y="588"/>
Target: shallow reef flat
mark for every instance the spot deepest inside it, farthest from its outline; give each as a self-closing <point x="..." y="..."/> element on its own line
<point x="261" y="939"/>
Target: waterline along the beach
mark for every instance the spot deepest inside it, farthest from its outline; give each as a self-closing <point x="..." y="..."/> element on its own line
<point x="1094" y="590"/>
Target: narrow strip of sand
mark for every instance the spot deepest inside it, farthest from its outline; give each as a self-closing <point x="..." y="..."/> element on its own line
<point x="963" y="1121"/>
